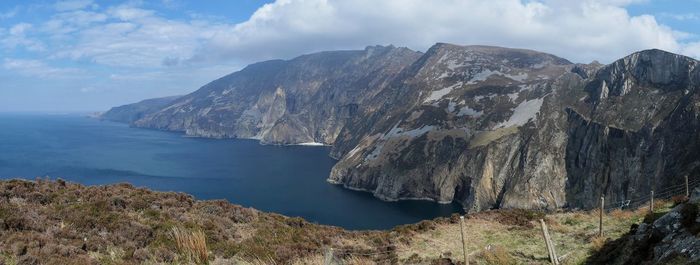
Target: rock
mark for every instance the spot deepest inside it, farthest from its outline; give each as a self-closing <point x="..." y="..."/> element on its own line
<point x="695" y="195"/>
<point x="487" y="127"/>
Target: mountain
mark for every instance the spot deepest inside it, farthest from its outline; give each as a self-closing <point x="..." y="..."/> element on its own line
<point x="488" y="127"/>
<point x="306" y="99"/>
<point x="133" y="112"/>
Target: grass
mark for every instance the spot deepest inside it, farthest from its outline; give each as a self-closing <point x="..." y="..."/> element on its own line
<point x="67" y="223"/>
<point x="575" y="235"/>
<point x="191" y="244"/>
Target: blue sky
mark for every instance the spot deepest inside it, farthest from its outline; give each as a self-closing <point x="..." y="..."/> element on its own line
<point x="85" y="55"/>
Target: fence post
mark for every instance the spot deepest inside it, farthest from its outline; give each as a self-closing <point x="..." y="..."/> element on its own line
<point x="600" y="218"/>
<point x="550" y="245"/>
<point x="464" y="244"/>
<point x="687" y="189"/>
<point x="651" y="203"/>
<point x="328" y="256"/>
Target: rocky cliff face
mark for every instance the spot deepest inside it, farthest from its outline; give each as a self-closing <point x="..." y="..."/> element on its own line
<point x="487" y="127"/>
<point x="480" y="125"/>
<point x="306" y="99"/>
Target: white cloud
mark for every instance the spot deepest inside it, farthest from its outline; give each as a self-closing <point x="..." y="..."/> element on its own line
<point x="582" y="31"/>
<point x="681" y="17"/>
<point x="17" y="37"/>
<point x="578" y="30"/>
<point x="692" y="49"/>
<point x="36" y="68"/>
<point x="68" y="5"/>
<point x="132" y="37"/>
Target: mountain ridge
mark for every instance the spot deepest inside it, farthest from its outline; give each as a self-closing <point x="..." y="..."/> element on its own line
<point x="485" y="126"/>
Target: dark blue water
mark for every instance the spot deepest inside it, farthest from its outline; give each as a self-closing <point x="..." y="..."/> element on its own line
<point x="290" y="180"/>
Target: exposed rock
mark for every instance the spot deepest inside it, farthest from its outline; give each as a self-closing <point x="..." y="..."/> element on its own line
<point x="306" y="99"/>
<point x="488" y="127"/>
<point x="670" y="239"/>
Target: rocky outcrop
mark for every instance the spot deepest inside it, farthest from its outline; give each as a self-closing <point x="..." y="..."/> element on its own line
<point x="670" y="238"/>
<point x="487" y="127"/>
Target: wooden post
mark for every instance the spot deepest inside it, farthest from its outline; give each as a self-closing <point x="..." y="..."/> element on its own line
<point x="687" y="189"/>
<point x="550" y="245"/>
<point x="328" y="256"/>
<point x="651" y="203"/>
<point x="600" y="218"/>
<point x="464" y="244"/>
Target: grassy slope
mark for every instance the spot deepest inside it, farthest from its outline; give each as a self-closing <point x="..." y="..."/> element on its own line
<point x="60" y="223"/>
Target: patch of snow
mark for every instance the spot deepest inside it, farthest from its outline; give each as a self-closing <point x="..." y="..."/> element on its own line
<point x="398" y="131"/>
<point x="523" y="113"/>
<point x="467" y="111"/>
<point x="480" y="97"/>
<point x="482" y="76"/>
<point x="444" y="74"/>
<point x="519" y="77"/>
<point x="375" y="152"/>
<point x="438" y="94"/>
<point x="513" y="96"/>
<point x="451" y="107"/>
<point x="452" y="64"/>
<point x="540" y="65"/>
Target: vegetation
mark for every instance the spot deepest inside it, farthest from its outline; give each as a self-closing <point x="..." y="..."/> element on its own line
<point x="55" y="222"/>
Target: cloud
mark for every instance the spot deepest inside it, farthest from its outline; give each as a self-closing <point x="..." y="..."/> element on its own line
<point x="68" y="5"/>
<point x="129" y="36"/>
<point x="681" y="17"/>
<point x="9" y="13"/>
<point x="36" y="68"/>
<point x="578" y="30"/>
<point x="16" y="37"/>
<point x="692" y="49"/>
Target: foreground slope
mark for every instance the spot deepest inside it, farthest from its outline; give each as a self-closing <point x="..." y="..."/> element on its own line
<point x="54" y="222"/>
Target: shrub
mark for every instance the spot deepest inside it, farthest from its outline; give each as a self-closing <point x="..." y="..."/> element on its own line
<point x="497" y="255"/>
<point x="191" y="244"/>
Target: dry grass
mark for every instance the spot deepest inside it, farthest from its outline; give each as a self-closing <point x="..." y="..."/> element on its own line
<point x="574" y="235"/>
<point x="191" y="244"/>
<point x="66" y="223"/>
<point x="597" y="242"/>
<point x="497" y="255"/>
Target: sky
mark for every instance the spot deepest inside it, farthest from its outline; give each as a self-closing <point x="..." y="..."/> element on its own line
<point x="89" y="55"/>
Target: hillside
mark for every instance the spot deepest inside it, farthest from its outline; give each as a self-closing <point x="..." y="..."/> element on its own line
<point x="487" y="127"/>
<point x="55" y="222"/>
<point x="133" y="112"/>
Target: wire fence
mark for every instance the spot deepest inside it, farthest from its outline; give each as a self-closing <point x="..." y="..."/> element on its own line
<point x="390" y="252"/>
<point x="667" y="192"/>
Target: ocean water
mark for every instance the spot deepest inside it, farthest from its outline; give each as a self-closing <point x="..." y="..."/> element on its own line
<point x="289" y="180"/>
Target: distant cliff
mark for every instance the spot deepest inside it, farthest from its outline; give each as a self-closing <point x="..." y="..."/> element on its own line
<point x="132" y="112"/>
<point x="488" y="127"/>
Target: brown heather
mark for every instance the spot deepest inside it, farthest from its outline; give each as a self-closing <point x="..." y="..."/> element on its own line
<point x="56" y="222"/>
